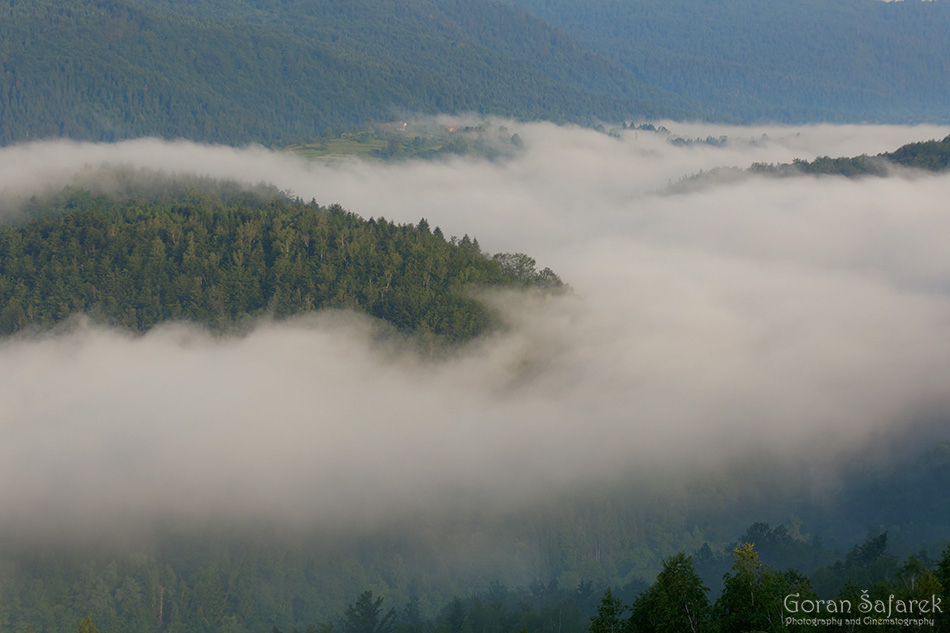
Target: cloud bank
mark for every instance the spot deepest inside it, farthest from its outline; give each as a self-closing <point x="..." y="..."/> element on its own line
<point x="797" y="318"/>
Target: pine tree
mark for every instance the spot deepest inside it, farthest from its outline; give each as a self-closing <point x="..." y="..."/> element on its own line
<point x="609" y="618"/>
<point x="86" y="626"/>
<point x="366" y="616"/>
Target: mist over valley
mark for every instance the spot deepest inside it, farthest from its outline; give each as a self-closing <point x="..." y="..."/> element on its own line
<point x="734" y="354"/>
<point x="419" y="316"/>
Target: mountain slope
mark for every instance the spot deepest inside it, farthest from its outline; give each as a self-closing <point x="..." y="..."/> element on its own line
<point x="284" y="72"/>
<point x="421" y="32"/>
<point x="218" y="255"/>
<point x="776" y="60"/>
<point x="931" y="156"/>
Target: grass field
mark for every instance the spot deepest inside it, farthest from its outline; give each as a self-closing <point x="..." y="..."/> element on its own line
<point x="339" y="147"/>
<point x="387" y="145"/>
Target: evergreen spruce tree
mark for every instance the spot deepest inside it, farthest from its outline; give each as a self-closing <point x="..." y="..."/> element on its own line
<point x="366" y="616"/>
<point x="86" y="626"/>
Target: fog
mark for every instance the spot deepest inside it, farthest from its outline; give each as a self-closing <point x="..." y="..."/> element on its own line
<point x="803" y="319"/>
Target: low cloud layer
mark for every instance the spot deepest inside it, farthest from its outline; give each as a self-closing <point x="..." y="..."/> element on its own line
<point x="801" y="318"/>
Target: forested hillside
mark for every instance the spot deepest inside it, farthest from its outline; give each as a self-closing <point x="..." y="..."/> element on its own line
<point x="872" y="589"/>
<point x="776" y="60"/>
<point x="933" y="156"/>
<point x="924" y="156"/>
<point x="247" y="586"/>
<point x="219" y="256"/>
<point x="285" y="72"/>
<point x="641" y="445"/>
<point x="437" y="35"/>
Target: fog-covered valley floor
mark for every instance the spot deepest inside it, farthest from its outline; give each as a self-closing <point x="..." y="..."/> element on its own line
<point x="800" y="321"/>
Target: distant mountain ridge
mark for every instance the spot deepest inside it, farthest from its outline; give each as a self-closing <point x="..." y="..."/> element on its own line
<point x="788" y="61"/>
<point x="286" y="71"/>
<point x="923" y="156"/>
<point x="933" y="156"/>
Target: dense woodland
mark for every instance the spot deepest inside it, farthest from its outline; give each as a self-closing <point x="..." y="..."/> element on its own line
<point x="219" y="254"/>
<point x="281" y="73"/>
<point x="286" y="72"/>
<point x="222" y="258"/>
<point x="925" y="156"/>
<point x="546" y="570"/>
<point x="757" y="597"/>
<point x="775" y="60"/>
<point x="279" y="588"/>
<point x="931" y="156"/>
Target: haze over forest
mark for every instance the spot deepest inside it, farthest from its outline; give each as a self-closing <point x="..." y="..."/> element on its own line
<point x="783" y="326"/>
<point x="733" y="346"/>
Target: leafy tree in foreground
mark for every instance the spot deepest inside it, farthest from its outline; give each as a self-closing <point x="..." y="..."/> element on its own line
<point x="943" y="568"/>
<point x="943" y="577"/>
<point x="752" y="595"/>
<point x="675" y="603"/>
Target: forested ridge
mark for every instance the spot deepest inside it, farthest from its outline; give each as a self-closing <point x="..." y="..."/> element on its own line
<point x="219" y="256"/>
<point x="608" y="558"/>
<point x="924" y="156"/>
<point x="294" y="587"/>
<point x="287" y="72"/>
<point x="933" y="156"/>
<point x="775" y="60"/>
<point x="870" y="591"/>
<point x="220" y="578"/>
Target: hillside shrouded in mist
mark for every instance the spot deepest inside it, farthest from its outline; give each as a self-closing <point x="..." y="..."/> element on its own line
<point x="222" y="258"/>
<point x="758" y="315"/>
<point x="792" y="324"/>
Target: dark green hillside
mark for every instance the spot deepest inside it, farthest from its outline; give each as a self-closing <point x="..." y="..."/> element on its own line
<point x="438" y="34"/>
<point x="932" y="156"/>
<point x="102" y="70"/>
<point x="285" y="72"/>
<point x="221" y="258"/>
<point x="776" y="60"/>
<point x="927" y="156"/>
<point x="228" y="580"/>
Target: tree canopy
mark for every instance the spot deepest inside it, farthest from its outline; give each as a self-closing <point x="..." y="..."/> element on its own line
<point x="220" y="258"/>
